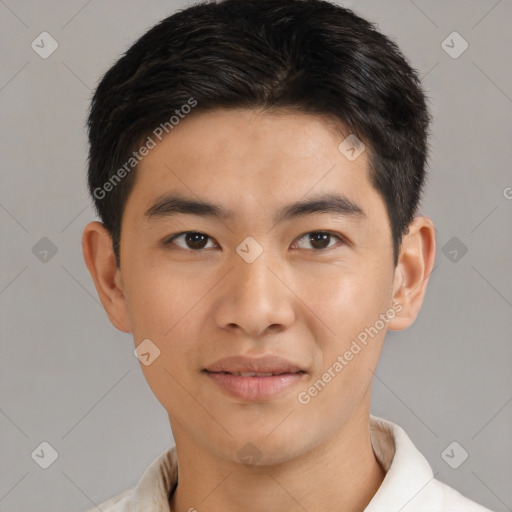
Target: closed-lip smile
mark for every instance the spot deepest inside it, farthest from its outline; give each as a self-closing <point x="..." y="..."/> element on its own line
<point x="250" y="378"/>
<point x="242" y="364"/>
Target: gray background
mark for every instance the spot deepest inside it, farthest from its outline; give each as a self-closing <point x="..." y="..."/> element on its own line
<point x="69" y="378"/>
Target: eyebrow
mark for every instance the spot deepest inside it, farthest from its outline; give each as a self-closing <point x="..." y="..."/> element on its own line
<point x="173" y="204"/>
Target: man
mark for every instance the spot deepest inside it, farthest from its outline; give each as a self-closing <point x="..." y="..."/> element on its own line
<point x="257" y="167"/>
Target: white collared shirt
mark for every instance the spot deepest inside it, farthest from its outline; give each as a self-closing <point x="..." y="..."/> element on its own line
<point x="409" y="484"/>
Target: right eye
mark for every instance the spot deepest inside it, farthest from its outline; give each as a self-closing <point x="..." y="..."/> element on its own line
<point x="193" y="240"/>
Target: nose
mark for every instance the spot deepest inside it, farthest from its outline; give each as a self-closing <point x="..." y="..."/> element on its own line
<point x="255" y="297"/>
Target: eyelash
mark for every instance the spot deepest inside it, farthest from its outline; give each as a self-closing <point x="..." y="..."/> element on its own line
<point x="169" y="241"/>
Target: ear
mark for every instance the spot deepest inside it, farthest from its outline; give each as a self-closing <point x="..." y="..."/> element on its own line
<point x="99" y="257"/>
<point x="415" y="263"/>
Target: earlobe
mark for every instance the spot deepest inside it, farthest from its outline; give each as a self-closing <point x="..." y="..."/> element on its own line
<point x="413" y="271"/>
<point x="100" y="261"/>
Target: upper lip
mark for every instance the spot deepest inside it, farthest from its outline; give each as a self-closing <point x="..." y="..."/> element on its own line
<point x="264" y="364"/>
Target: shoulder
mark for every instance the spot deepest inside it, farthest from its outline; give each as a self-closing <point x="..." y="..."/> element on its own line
<point x="453" y="501"/>
<point x="119" y="503"/>
<point x="410" y="484"/>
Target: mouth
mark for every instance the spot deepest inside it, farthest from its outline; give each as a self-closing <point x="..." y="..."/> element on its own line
<point x="257" y="374"/>
<point x="255" y="386"/>
<point x="264" y="366"/>
<point x="255" y="379"/>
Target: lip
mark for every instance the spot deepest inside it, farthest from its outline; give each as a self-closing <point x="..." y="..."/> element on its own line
<point x="285" y="375"/>
<point x="255" y="388"/>
<point x="263" y="364"/>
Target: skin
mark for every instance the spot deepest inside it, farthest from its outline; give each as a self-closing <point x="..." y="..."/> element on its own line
<point x="295" y="300"/>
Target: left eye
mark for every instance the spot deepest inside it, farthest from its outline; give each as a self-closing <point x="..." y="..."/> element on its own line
<point x="319" y="238"/>
<point x="196" y="241"/>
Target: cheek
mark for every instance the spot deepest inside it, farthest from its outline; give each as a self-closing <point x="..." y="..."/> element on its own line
<point x="172" y="374"/>
<point x="164" y="307"/>
<point x="351" y="307"/>
<point x="347" y="299"/>
<point x="346" y="362"/>
<point x="157" y="299"/>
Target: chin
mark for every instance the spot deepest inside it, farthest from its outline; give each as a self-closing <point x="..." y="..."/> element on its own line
<point x="256" y="448"/>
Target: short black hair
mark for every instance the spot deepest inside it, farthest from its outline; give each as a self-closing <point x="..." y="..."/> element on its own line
<point x="309" y="56"/>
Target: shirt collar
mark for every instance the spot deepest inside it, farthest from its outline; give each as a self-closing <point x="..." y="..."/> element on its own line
<point x="407" y="470"/>
<point x="407" y="473"/>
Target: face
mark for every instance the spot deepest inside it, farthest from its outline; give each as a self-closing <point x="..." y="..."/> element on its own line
<point x="302" y="287"/>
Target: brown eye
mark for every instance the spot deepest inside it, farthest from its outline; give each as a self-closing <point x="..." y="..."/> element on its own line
<point x="319" y="240"/>
<point x="192" y="239"/>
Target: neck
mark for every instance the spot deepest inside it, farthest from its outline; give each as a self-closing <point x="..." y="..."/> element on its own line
<point x="342" y="473"/>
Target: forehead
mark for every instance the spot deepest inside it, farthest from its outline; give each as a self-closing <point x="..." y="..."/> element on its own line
<point x="248" y="160"/>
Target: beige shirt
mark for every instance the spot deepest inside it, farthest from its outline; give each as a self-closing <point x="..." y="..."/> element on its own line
<point x="409" y="484"/>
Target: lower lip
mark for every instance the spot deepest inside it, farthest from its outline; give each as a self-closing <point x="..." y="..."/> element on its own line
<point x="255" y="388"/>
